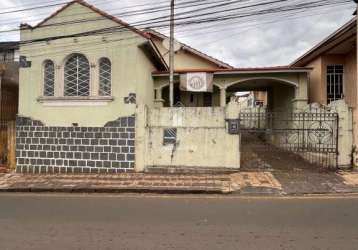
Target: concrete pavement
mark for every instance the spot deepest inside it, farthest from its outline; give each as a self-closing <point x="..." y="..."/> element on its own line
<point x="96" y="222"/>
<point x="278" y="182"/>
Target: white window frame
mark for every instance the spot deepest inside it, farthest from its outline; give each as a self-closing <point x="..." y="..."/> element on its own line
<point x="100" y="77"/>
<point x="77" y="79"/>
<point x="44" y="78"/>
<point x="60" y="100"/>
<point x="331" y="83"/>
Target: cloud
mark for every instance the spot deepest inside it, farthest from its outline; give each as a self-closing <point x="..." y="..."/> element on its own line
<point x="243" y="43"/>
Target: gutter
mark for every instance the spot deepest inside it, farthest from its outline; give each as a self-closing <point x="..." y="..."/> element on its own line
<point x="240" y="72"/>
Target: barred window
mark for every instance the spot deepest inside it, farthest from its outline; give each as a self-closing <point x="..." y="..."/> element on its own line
<point x="334" y="82"/>
<point x="105" y="74"/>
<point x="77" y="76"/>
<point x="49" y="78"/>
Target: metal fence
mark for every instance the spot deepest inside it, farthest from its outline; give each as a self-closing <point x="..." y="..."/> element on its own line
<point x="312" y="135"/>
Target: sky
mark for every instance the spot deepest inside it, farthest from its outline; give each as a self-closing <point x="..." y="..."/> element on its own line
<point x="248" y="42"/>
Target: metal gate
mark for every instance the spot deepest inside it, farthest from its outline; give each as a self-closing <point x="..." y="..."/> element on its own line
<point x="314" y="136"/>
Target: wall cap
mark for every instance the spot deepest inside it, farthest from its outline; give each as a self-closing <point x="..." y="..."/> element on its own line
<point x="75" y="100"/>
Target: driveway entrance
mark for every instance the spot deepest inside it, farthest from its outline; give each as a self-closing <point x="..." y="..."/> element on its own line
<point x="287" y="139"/>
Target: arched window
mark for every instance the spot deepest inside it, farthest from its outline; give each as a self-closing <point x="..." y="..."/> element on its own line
<point x="49" y="78"/>
<point x="105" y="74"/>
<point x="77" y="76"/>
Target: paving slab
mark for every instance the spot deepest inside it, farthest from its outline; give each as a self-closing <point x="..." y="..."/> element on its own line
<point x="294" y="182"/>
<point x="310" y="182"/>
<point x="115" y="183"/>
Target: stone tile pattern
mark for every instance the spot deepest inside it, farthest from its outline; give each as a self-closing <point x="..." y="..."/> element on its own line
<point x="43" y="149"/>
<point x="125" y="182"/>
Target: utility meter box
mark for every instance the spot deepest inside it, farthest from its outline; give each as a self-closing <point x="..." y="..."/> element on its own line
<point x="233" y="126"/>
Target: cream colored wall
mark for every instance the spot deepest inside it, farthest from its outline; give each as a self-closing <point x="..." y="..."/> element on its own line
<point x="131" y="70"/>
<point x="282" y="97"/>
<point x="315" y="92"/>
<point x="184" y="59"/>
<point x="202" y="139"/>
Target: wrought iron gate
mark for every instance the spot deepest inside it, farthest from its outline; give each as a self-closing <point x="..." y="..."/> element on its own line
<point x="314" y="135"/>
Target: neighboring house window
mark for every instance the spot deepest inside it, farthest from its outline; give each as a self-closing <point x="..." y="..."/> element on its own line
<point x="105" y="75"/>
<point x="49" y="78"/>
<point x="259" y="103"/>
<point x="334" y="82"/>
<point x="77" y="76"/>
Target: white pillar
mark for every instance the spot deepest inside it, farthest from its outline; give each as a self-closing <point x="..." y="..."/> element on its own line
<point x="158" y="102"/>
<point x="141" y="138"/>
<point x="59" y="81"/>
<point x="94" y="80"/>
<point x="222" y="97"/>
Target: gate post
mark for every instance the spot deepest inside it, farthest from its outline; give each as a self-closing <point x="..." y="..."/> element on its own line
<point x="222" y="96"/>
<point x="11" y="144"/>
<point x="140" y="138"/>
<point x="345" y="133"/>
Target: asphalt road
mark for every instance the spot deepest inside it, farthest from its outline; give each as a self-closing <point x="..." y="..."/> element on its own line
<point x="66" y="222"/>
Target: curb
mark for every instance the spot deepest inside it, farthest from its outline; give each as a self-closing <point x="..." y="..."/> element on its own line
<point x="112" y="190"/>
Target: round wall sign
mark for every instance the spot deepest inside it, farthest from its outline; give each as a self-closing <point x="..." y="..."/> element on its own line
<point x="196" y="82"/>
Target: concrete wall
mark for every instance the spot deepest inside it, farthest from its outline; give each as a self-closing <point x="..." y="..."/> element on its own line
<point x="345" y="133"/>
<point x="131" y="70"/>
<point x="281" y="98"/>
<point x="202" y="139"/>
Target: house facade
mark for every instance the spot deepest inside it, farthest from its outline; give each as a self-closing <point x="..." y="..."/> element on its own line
<point x="334" y="73"/>
<point x="94" y="94"/>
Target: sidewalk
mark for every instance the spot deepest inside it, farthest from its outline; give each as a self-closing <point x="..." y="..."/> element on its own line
<point x="109" y="183"/>
<point x="242" y="183"/>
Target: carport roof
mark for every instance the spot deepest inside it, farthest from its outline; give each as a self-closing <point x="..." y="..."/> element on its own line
<point x="276" y="69"/>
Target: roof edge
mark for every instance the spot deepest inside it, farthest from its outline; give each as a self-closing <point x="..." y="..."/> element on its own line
<point x="326" y="40"/>
<point x="192" y="50"/>
<point x="93" y="8"/>
<point x="277" y="69"/>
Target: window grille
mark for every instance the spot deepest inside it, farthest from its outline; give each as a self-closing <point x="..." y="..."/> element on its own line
<point x="169" y="136"/>
<point x="77" y="76"/>
<point x="334" y="82"/>
<point x="105" y="74"/>
<point x="49" y="78"/>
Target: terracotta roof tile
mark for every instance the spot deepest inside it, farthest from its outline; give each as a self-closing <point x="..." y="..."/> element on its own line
<point x="273" y="68"/>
